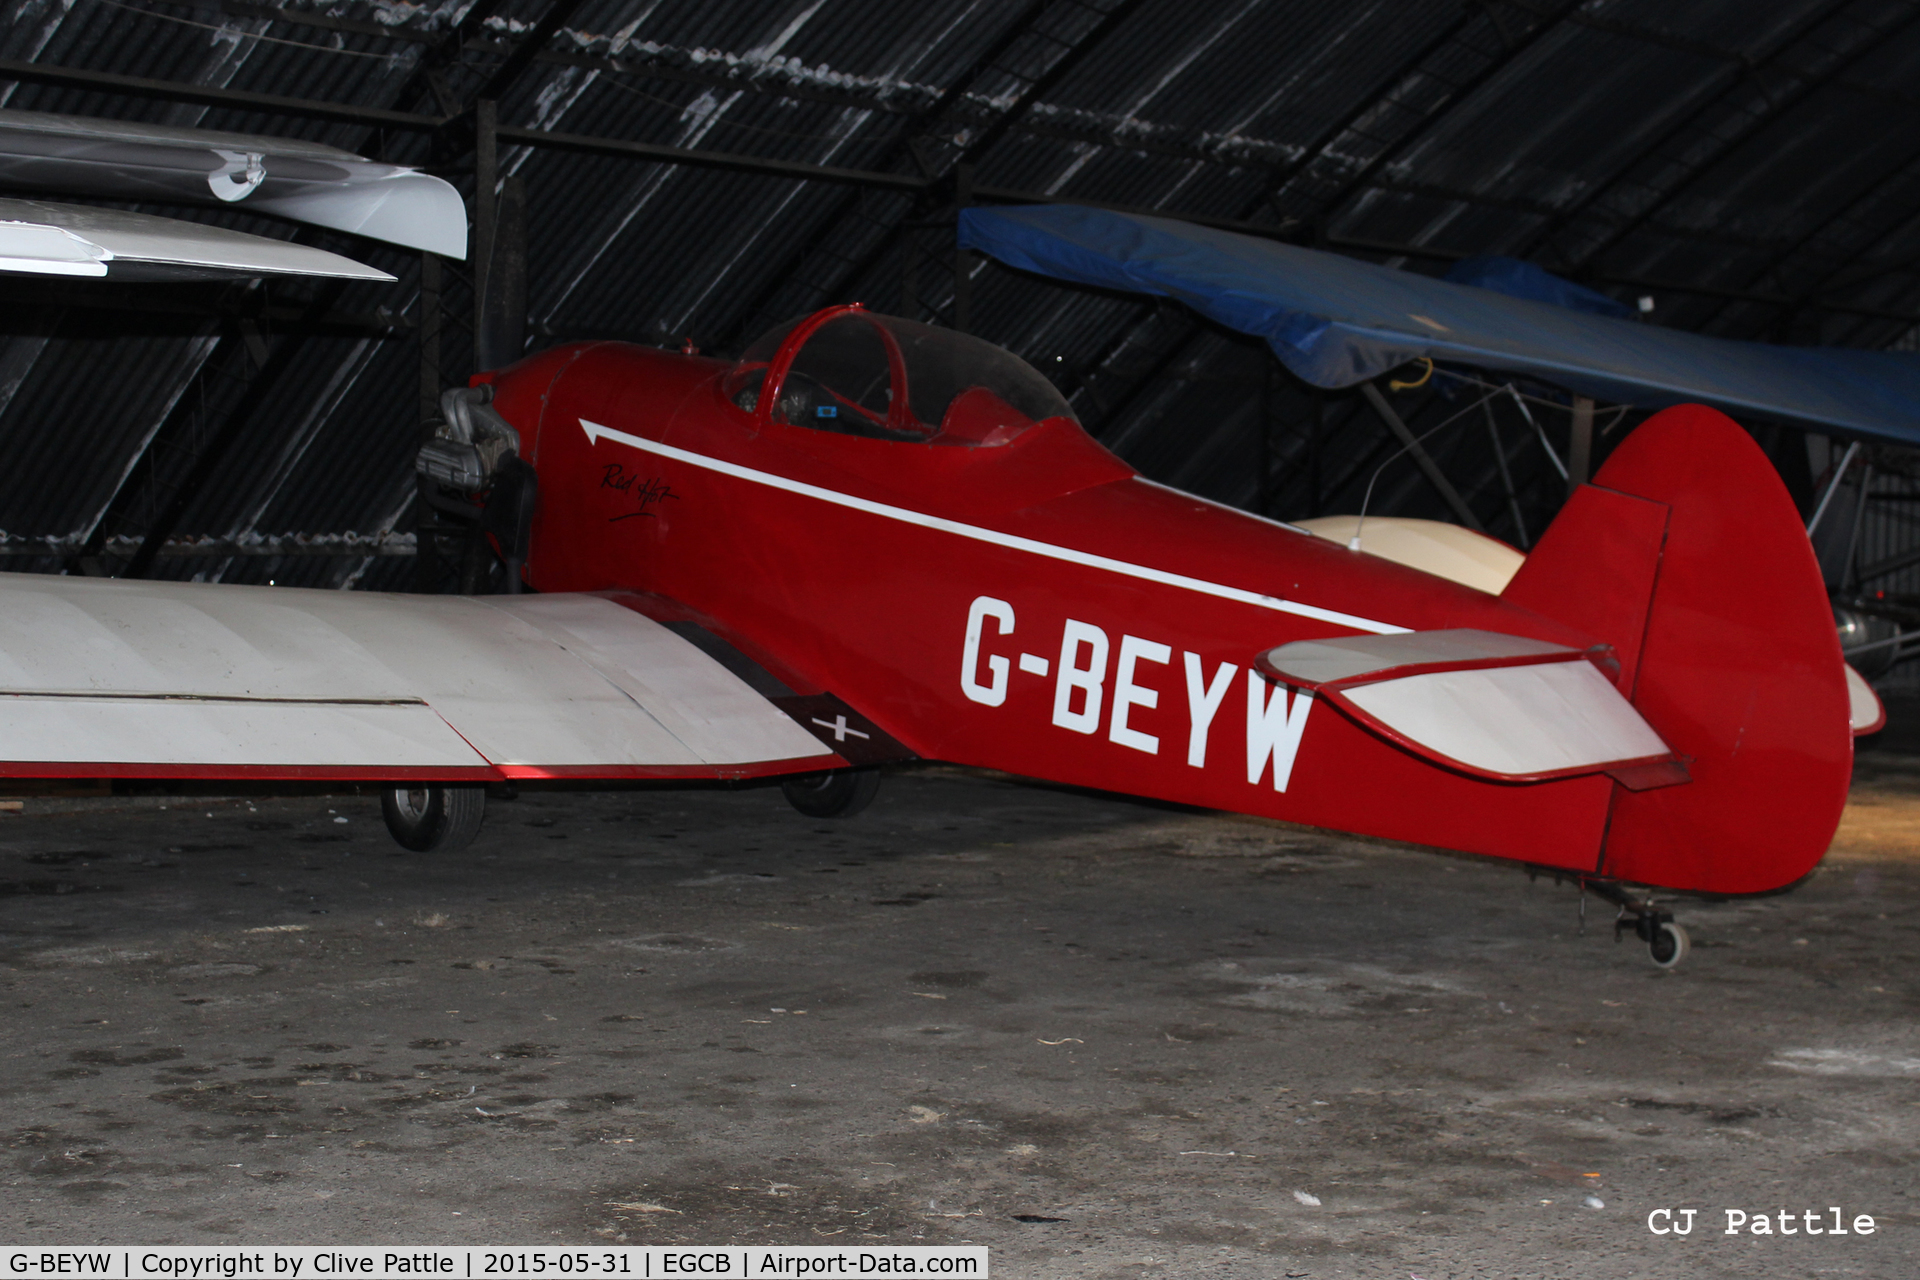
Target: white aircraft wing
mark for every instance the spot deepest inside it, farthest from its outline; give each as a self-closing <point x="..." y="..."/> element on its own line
<point x="289" y="177"/>
<point x="114" y="678"/>
<point x="37" y="238"/>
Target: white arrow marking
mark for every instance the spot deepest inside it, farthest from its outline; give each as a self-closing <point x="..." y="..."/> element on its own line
<point x="596" y="433"/>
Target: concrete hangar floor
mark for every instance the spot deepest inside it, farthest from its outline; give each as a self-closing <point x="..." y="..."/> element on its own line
<point x="1103" y="1038"/>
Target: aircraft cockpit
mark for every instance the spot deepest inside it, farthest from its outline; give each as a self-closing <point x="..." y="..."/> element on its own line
<point x="854" y="372"/>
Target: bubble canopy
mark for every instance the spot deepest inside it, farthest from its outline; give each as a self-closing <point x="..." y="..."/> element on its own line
<point x="855" y="372"/>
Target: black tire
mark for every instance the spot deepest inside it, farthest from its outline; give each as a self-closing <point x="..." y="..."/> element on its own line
<point x="1669" y="944"/>
<point x="434" y="817"/>
<point x="839" y="794"/>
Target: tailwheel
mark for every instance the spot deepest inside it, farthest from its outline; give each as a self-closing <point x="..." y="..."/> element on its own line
<point x="433" y="817"/>
<point x="839" y="794"/>
<point x="1667" y="942"/>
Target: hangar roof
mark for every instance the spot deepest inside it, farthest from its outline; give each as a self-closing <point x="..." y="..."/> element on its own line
<point x="703" y="169"/>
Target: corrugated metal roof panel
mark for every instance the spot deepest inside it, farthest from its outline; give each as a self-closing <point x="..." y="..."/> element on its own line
<point x="1484" y="129"/>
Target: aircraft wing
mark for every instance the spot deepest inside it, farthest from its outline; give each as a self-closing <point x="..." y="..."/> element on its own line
<point x="290" y="177"/>
<point x="110" y="678"/>
<point x="1497" y="706"/>
<point x="1336" y="321"/>
<point x="38" y="238"/>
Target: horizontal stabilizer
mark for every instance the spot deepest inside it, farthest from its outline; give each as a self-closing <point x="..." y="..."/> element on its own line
<point x="1498" y="706"/>
<point x="288" y="177"/>
<point x="1431" y="546"/>
<point x="37" y="238"/>
<point x="1865" y="712"/>
<point x="102" y="678"/>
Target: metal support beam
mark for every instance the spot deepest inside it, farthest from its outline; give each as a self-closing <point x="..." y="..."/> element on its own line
<point x="529" y="45"/>
<point x="1848" y="567"/>
<point x="1580" y="451"/>
<point x="350" y="546"/>
<point x="1367" y="463"/>
<point x="486" y="180"/>
<point x="1315" y="442"/>
<point x="709" y="159"/>
<point x="239" y="100"/>
<point x="1506" y="475"/>
<point x="502" y="336"/>
<point x="1892" y="564"/>
<point x="1263" y="449"/>
<point x="426" y="565"/>
<point x="963" y="259"/>
<point x="1421" y="457"/>
<point x="429" y="338"/>
<point x="1833" y="487"/>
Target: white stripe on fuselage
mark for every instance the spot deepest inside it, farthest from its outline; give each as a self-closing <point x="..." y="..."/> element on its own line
<point x="596" y="432"/>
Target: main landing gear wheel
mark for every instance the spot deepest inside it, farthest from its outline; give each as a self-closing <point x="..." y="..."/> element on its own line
<point x="839" y="794"/>
<point x="433" y="817"/>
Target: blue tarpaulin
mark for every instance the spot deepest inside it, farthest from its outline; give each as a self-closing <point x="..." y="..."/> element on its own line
<point x="1520" y="279"/>
<point x="1337" y="322"/>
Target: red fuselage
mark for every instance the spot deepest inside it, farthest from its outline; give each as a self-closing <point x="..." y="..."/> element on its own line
<point x="1032" y="606"/>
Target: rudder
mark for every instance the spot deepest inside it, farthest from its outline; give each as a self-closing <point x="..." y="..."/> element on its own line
<point x="1686" y="554"/>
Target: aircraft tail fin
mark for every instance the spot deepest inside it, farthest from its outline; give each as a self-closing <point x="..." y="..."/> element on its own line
<point x="1688" y="557"/>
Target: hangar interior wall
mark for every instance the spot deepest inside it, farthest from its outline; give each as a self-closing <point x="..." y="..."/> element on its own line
<point x="677" y="171"/>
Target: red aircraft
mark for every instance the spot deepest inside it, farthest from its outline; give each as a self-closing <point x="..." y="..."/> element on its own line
<point x="873" y="540"/>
